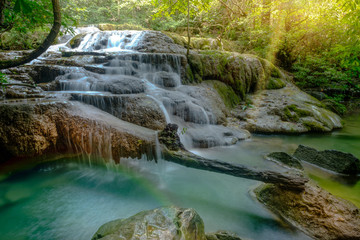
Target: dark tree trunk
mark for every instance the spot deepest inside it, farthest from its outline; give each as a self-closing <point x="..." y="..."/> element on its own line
<point x="266" y="14"/>
<point x="295" y="183"/>
<point x="44" y="46"/>
<point x="188" y="30"/>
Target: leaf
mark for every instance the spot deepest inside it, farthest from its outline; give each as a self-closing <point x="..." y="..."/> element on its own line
<point x="22" y="6"/>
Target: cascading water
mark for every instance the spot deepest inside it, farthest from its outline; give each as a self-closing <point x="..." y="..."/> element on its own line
<point x="123" y="73"/>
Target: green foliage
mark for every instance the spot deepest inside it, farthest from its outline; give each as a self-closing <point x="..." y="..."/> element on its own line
<point x="31" y="22"/>
<point x="318" y="72"/>
<point x="3" y="80"/>
<point x="170" y="8"/>
<point x="14" y="40"/>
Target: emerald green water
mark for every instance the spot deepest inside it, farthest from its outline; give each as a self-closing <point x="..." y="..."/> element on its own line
<point x="69" y="199"/>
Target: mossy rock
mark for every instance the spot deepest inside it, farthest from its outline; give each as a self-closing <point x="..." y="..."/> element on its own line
<point x="275" y="83"/>
<point x="227" y="94"/>
<point x="316" y="212"/>
<point x="284" y="158"/>
<point x="75" y="41"/>
<point x="125" y="26"/>
<point x="178" y="39"/>
<point x="160" y="223"/>
<point x="245" y="73"/>
<point x="313" y="125"/>
<point x="293" y="113"/>
<point x="201" y="43"/>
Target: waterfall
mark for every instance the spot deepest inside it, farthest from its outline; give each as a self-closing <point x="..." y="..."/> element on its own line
<point x="124" y="73"/>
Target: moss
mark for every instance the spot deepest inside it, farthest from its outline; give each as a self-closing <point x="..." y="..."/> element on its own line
<point x="75" y="41"/>
<point x="275" y="72"/>
<point x="300" y="112"/>
<point x="189" y="75"/>
<point x="275" y="83"/>
<point x="313" y="126"/>
<point x="289" y="115"/>
<point x="125" y="26"/>
<point x="178" y="39"/>
<point x="226" y="93"/>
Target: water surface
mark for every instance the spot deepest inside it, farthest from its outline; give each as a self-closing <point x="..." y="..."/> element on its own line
<point x="68" y="199"/>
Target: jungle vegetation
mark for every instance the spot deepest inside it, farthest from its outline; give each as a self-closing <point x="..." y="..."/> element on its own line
<point x="316" y="41"/>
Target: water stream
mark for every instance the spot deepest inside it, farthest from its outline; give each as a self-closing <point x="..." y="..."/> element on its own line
<point x="72" y="198"/>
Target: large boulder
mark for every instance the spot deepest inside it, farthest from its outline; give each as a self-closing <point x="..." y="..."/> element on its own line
<point x="244" y="73"/>
<point x="337" y="161"/>
<point x="168" y="223"/>
<point x="286" y="110"/>
<point x="315" y="211"/>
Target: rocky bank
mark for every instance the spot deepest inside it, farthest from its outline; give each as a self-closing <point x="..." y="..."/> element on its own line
<point x="318" y="213"/>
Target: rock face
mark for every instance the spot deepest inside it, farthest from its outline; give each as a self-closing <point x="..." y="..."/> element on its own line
<point x="170" y="138"/>
<point x="284" y="158"/>
<point x="24" y="131"/>
<point x="32" y="130"/>
<point x="340" y="162"/>
<point x="167" y="223"/>
<point x="138" y="109"/>
<point x="315" y="211"/>
<point x="286" y="110"/>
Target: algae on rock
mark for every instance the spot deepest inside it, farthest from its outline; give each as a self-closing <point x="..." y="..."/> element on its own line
<point x="244" y="73"/>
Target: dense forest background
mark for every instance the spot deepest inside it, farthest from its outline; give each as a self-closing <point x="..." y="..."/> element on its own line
<point x="316" y="41"/>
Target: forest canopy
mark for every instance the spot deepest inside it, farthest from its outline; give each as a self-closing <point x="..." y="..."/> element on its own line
<point x="316" y="40"/>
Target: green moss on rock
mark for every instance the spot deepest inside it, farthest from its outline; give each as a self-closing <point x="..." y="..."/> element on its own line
<point x="75" y="41"/>
<point x="275" y="83"/>
<point x="125" y="26"/>
<point x="226" y="93"/>
<point x="313" y="125"/>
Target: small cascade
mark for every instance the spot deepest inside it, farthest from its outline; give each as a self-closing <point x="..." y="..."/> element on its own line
<point x="124" y="75"/>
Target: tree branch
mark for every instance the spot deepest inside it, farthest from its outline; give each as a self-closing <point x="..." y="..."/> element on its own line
<point x="44" y="46"/>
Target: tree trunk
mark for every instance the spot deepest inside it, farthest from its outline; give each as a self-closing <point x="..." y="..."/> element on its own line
<point x="182" y="157"/>
<point x="266" y="13"/>
<point x="188" y="30"/>
<point x="44" y="46"/>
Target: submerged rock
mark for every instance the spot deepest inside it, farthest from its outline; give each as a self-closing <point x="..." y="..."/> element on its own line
<point x="284" y="158"/>
<point x="315" y="211"/>
<point x="222" y="235"/>
<point x="161" y="223"/>
<point x="340" y="162"/>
